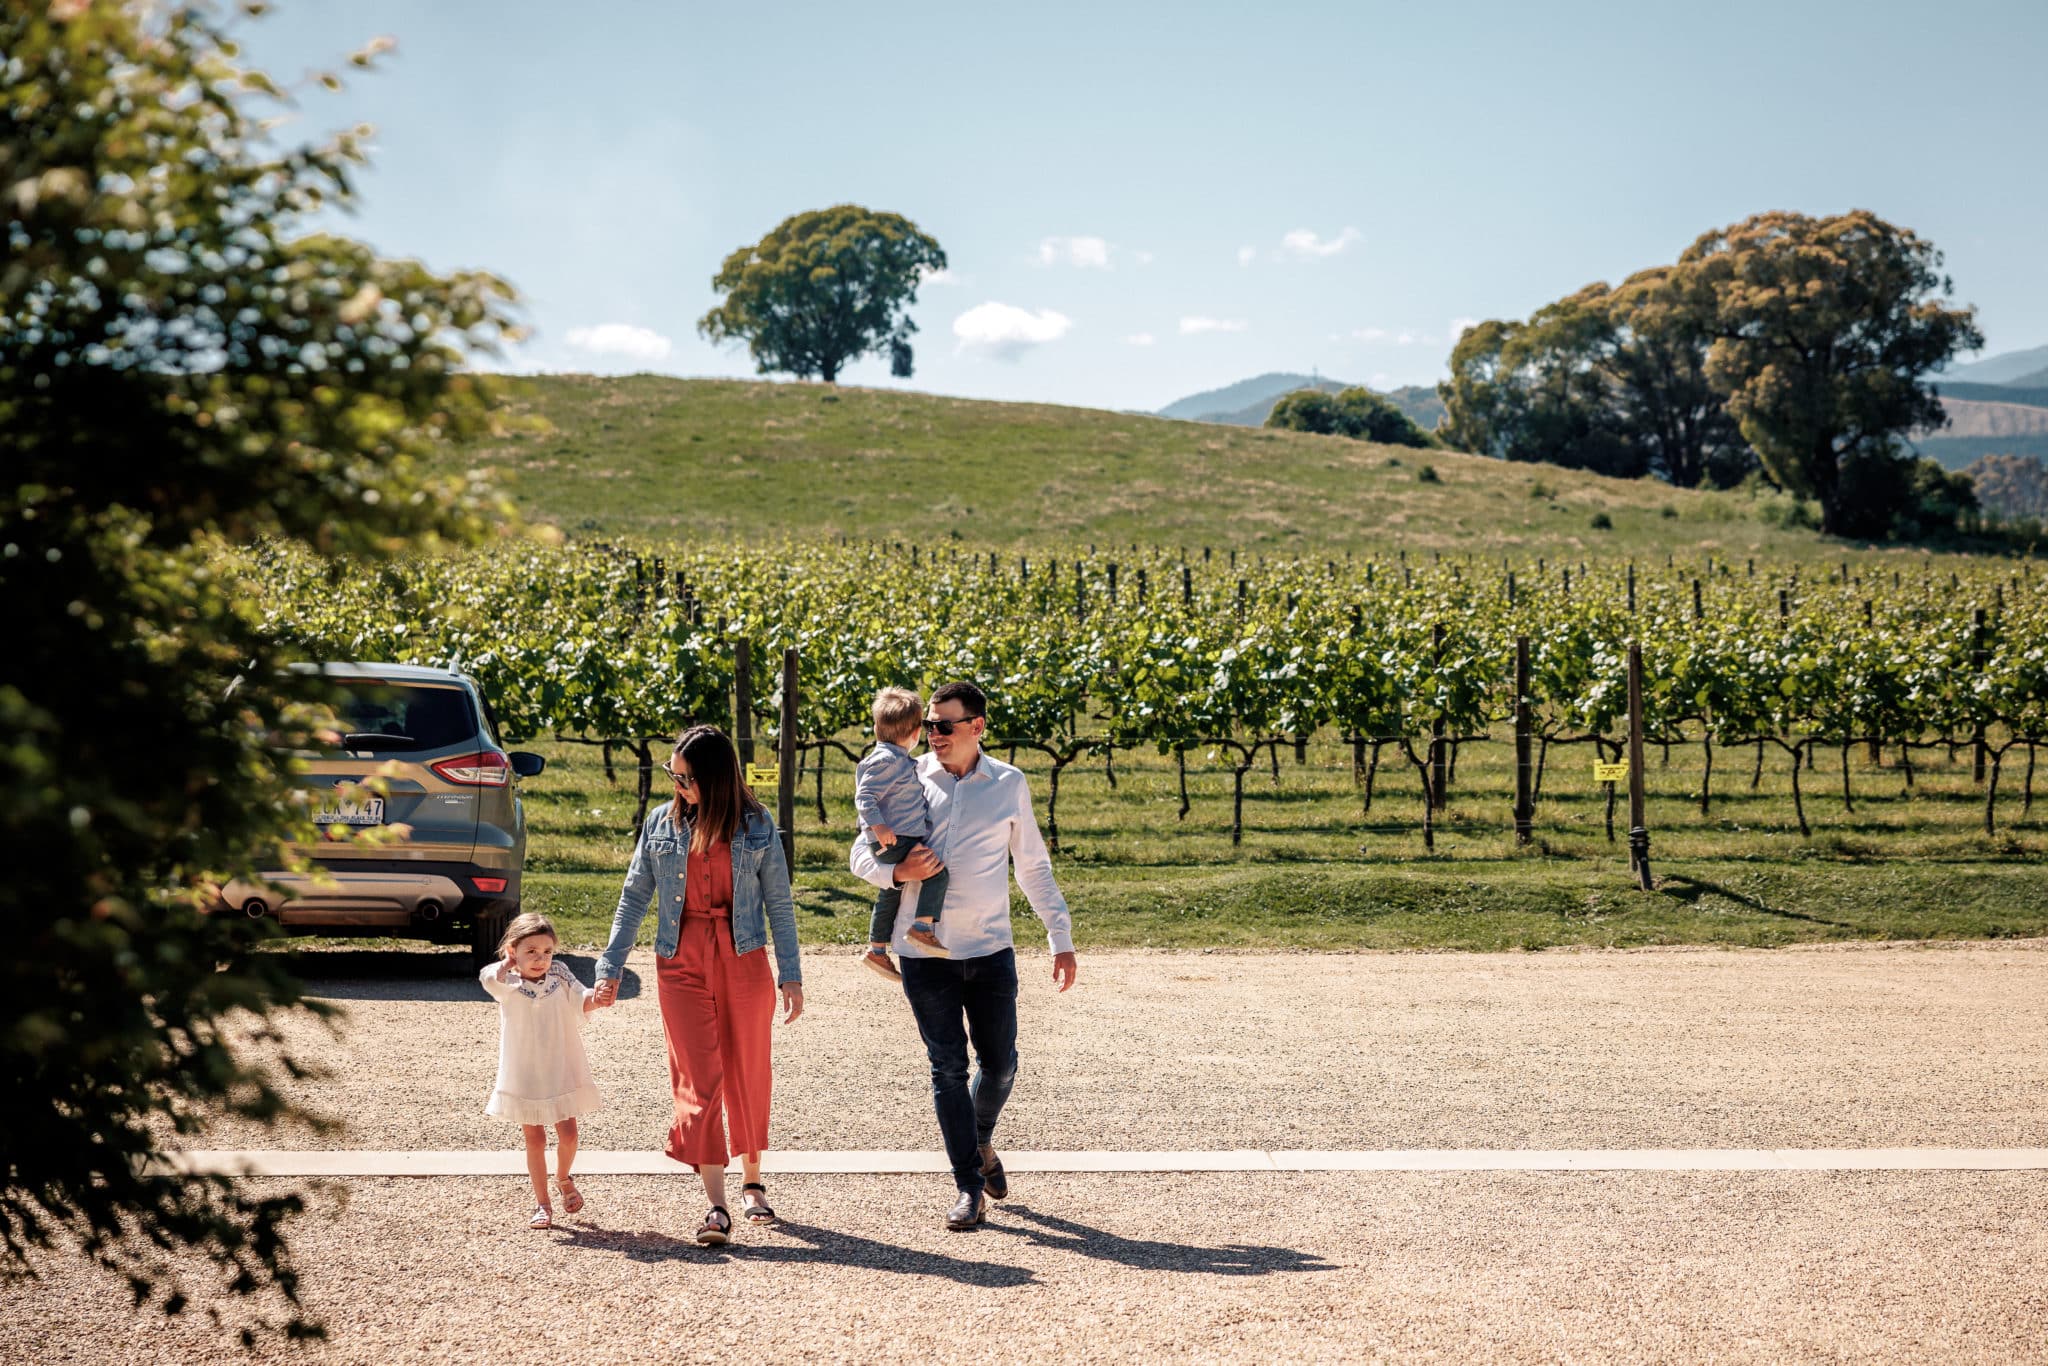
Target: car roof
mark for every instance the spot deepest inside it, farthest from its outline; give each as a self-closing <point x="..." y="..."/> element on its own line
<point x="386" y="673"/>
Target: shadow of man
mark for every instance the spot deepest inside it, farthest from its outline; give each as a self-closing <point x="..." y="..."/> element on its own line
<point x="812" y="1246"/>
<point x="1231" y="1259"/>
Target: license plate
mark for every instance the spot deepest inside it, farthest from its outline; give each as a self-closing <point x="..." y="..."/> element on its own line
<point x="369" y="811"/>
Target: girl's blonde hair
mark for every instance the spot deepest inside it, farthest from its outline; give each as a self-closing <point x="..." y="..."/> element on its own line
<point x="526" y="927"/>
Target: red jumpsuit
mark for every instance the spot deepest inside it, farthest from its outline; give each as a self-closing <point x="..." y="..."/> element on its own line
<point x="717" y="1010"/>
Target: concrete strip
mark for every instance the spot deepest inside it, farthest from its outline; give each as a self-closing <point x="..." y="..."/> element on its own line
<point x="596" y="1162"/>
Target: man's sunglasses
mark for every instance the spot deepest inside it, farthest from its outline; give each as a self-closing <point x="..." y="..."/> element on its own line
<point x="941" y="726"/>
<point x="681" y="779"/>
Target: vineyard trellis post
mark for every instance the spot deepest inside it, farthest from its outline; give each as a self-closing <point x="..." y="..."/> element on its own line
<point x="785" y="775"/>
<point x="743" y="699"/>
<point x="1638" y="826"/>
<point x="1978" y="654"/>
<point x="1525" y="804"/>
<point x="1439" y="756"/>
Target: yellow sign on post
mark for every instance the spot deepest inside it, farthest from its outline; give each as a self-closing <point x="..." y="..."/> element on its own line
<point x="764" y="775"/>
<point x="1610" y="773"/>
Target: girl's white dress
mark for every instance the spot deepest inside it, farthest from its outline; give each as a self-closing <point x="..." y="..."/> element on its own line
<point x="543" y="1077"/>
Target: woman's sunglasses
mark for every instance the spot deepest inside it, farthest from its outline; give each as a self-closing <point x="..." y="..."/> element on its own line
<point x="681" y="779"/>
<point x="941" y="726"/>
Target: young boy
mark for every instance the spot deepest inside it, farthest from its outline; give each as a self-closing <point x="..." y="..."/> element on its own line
<point x="890" y="800"/>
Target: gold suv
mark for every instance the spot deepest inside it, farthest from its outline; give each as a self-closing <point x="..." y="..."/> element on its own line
<point x="449" y="867"/>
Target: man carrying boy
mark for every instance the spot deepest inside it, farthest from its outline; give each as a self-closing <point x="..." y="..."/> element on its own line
<point x="981" y="816"/>
<point x="890" y="800"/>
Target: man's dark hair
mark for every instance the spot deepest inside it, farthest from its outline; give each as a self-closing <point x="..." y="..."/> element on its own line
<point x="967" y="695"/>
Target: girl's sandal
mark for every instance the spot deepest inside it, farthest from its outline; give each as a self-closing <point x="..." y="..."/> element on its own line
<point x="543" y="1217"/>
<point x="572" y="1199"/>
<point x="758" y="1210"/>
<point x="716" y="1228"/>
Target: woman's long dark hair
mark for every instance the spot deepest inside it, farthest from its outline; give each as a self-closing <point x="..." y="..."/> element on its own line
<point x="723" y="797"/>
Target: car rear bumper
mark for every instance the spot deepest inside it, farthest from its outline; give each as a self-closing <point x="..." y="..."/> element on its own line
<point x="394" y="897"/>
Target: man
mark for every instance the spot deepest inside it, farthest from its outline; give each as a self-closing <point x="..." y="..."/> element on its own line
<point x="981" y="821"/>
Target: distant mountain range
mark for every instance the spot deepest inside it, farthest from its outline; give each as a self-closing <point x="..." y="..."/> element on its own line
<point x="1248" y="402"/>
<point x="1996" y="406"/>
<point x="2025" y="368"/>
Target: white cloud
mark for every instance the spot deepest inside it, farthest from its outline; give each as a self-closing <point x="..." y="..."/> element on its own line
<point x="1370" y="334"/>
<point x="1087" y="252"/>
<point x="1303" y="244"/>
<point x="1245" y="255"/>
<point x="1007" y="332"/>
<point x="621" y="339"/>
<point x="1381" y="380"/>
<point x="942" y="276"/>
<point x="1191" y="326"/>
<point x="1405" y="339"/>
<point x="1140" y="339"/>
<point x="1460" y="326"/>
<point x="1143" y="258"/>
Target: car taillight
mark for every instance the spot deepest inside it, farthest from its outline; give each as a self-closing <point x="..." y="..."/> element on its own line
<point x="493" y="885"/>
<point x="488" y="768"/>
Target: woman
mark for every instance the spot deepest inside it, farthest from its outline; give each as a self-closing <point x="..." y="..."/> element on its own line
<point x="711" y="862"/>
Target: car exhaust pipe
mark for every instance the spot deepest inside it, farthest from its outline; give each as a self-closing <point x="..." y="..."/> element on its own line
<point x="429" y="910"/>
<point x="255" y="908"/>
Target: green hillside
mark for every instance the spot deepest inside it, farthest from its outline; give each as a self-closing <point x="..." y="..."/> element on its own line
<point x="659" y="457"/>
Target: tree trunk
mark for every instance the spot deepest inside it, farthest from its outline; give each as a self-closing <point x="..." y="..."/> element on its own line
<point x="1848" y="804"/>
<point x="819" y="776"/>
<point x="1109" y="765"/>
<point x="1372" y="769"/>
<point x="1756" y="779"/>
<point x="611" y="774"/>
<point x="1180" y="762"/>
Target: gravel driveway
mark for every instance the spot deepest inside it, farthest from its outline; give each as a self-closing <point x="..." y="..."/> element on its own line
<point x="1841" y="1047"/>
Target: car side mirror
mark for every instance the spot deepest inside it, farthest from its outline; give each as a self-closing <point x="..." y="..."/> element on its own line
<point x="527" y="764"/>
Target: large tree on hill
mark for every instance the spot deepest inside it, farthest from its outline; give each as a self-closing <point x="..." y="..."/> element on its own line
<point x="1610" y="380"/>
<point x="1825" y="330"/>
<point x="1540" y="390"/>
<point x="823" y="289"/>
<point x="1659" y="327"/>
<point x="1356" y="412"/>
<point x="179" y="371"/>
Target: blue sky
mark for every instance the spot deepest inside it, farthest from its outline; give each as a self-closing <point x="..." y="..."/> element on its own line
<point x="1140" y="201"/>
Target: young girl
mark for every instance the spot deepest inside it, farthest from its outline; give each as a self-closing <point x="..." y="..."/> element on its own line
<point x="542" y="1076"/>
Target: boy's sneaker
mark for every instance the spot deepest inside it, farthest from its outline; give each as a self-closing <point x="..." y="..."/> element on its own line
<point x="878" y="959"/>
<point x="920" y="934"/>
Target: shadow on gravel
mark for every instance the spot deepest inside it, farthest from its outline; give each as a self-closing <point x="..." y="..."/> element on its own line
<point x="1144" y="1254"/>
<point x="414" y="975"/>
<point x="809" y="1246"/>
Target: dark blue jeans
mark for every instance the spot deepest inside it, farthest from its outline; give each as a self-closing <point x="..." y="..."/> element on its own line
<point x="957" y="1000"/>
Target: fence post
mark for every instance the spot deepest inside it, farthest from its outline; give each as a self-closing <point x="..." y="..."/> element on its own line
<point x="785" y="785"/>
<point x="1978" y="655"/>
<point x="1638" y="828"/>
<point x="1525" y="805"/>
<point x="743" y="700"/>
<point x="1439" y="752"/>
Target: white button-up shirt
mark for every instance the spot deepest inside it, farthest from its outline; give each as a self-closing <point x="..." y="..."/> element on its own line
<point x="981" y="824"/>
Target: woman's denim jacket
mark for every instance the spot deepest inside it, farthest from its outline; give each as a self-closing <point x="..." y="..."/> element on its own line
<point x="760" y="894"/>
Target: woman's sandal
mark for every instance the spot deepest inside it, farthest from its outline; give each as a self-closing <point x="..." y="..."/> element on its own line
<point x="543" y="1217"/>
<point x="716" y="1228"/>
<point x="760" y="1213"/>
<point x="572" y="1199"/>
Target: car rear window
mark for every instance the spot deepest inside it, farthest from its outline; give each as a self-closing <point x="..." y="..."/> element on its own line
<point x="404" y="718"/>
